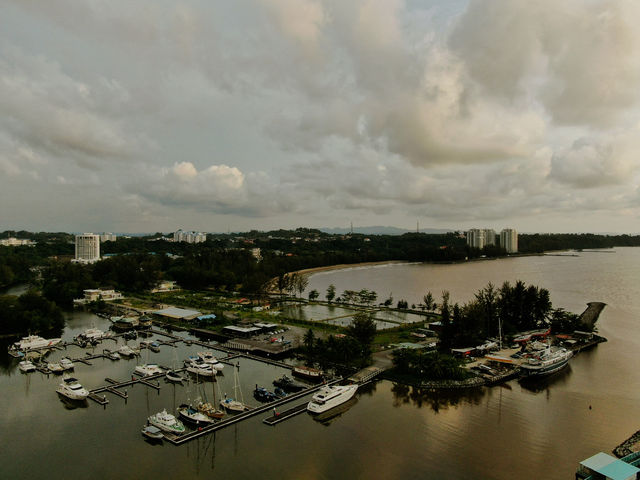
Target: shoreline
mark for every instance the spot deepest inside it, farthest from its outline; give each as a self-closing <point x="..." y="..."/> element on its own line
<point x="340" y="266"/>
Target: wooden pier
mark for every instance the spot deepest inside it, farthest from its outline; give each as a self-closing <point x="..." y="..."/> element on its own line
<point x="287" y="414"/>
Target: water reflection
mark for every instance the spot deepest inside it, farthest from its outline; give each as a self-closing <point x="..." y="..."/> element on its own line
<point x="435" y="399"/>
<point x="326" y="418"/>
<point x="542" y="384"/>
<point x="72" y="404"/>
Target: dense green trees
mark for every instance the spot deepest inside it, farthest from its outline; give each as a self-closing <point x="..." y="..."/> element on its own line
<point x="29" y="312"/>
<point x="427" y="365"/>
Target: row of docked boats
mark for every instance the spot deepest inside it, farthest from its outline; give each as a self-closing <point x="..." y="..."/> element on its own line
<point x="63" y="365"/>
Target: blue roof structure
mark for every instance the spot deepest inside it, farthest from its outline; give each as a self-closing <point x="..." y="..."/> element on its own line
<point x="210" y="316"/>
<point x="610" y="467"/>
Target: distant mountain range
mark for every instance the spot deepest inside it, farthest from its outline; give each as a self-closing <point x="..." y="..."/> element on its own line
<point x="379" y="230"/>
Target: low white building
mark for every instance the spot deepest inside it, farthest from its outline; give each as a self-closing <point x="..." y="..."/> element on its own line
<point x="94" y="294"/>
<point x="16" y="242"/>
<point x="189" y="237"/>
<point x="165" y="286"/>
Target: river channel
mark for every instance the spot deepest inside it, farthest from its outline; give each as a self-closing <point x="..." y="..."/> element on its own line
<point x="537" y="430"/>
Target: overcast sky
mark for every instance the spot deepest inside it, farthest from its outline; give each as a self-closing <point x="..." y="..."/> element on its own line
<point x="230" y="115"/>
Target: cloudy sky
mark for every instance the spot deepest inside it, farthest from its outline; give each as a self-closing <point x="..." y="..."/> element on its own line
<point x="229" y="115"/>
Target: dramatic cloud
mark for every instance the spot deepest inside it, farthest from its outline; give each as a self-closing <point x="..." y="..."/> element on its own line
<point x="283" y="113"/>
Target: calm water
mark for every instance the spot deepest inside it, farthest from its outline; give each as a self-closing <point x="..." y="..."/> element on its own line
<point x="514" y="431"/>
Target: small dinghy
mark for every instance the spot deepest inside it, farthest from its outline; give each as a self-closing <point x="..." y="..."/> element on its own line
<point x="152" y="433"/>
<point x="174" y="376"/>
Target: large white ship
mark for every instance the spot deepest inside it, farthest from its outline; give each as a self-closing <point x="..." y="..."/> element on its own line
<point x="329" y="397"/>
<point x="34" y="341"/>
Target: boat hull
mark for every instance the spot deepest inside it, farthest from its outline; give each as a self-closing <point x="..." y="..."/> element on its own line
<point x="346" y="394"/>
<point x="544" y="371"/>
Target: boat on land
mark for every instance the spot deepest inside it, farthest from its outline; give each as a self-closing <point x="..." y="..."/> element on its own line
<point x="209" y="358"/>
<point x="71" y="388"/>
<point x="66" y="363"/>
<point x="288" y="384"/>
<point x="167" y="422"/>
<point x="546" y="362"/>
<point x="148" y="369"/>
<point x="26" y="366"/>
<point x="193" y="415"/>
<point x="309" y="373"/>
<point x="32" y="342"/>
<point x="152" y="433"/>
<point x="330" y="397"/>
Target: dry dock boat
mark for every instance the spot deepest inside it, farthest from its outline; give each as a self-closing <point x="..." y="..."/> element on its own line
<point x="547" y="362"/>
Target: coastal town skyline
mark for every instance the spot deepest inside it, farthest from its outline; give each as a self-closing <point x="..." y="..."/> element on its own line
<point x="266" y="115"/>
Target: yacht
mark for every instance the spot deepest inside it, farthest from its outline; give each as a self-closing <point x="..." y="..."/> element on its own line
<point x="66" y="363"/>
<point x="232" y="405"/>
<point x="167" y="422"/>
<point x="209" y="358"/>
<point x="55" y="367"/>
<point x="92" y="334"/>
<point x="148" y="369"/>
<point x="34" y="341"/>
<point x="329" y="397"/>
<point x="546" y="362"/>
<point x="201" y="368"/>
<point x="126" y="351"/>
<point x="71" y="388"/>
<point x="26" y="366"/>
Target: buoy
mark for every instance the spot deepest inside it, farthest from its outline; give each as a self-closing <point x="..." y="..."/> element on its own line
<point x="589" y="407"/>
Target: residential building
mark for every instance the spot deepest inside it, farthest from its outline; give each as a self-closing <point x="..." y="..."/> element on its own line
<point x="107" y="237"/>
<point x="509" y="240"/>
<point x="87" y="248"/>
<point x="189" y="237"/>
<point x="16" y="242"/>
<point x="489" y="236"/>
<point x="476" y="237"/>
<point x="93" y="294"/>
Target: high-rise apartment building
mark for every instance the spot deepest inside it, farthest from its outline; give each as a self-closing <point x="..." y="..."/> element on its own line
<point x="87" y="248"/>
<point x="476" y="237"/>
<point x="107" y="237"/>
<point x="189" y="237"/>
<point x="489" y="236"/>
<point x="509" y="240"/>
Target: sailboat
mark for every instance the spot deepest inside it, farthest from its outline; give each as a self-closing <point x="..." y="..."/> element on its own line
<point x="173" y="375"/>
<point x="210" y="409"/>
<point x="231" y="404"/>
<point x="148" y="368"/>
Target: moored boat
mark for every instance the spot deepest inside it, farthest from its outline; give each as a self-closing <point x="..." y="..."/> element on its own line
<point x="152" y="433"/>
<point x="209" y="410"/>
<point x="263" y="395"/>
<point x="546" y="362"/>
<point x="71" y="388"/>
<point x="194" y="416"/>
<point x="55" y="367"/>
<point x="32" y="342"/>
<point x="309" y="373"/>
<point x="174" y="376"/>
<point x="66" y="363"/>
<point x="148" y="369"/>
<point x="288" y="384"/>
<point x="126" y="351"/>
<point x="200" y="368"/>
<point x="167" y="422"/>
<point x="330" y="397"/>
<point x="26" y="366"/>
<point x="209" y="358"/>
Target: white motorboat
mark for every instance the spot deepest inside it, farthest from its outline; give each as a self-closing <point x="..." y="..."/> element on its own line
<point x="148" y="369"/>
<point x="126" y="351"/>
<point x="34" y="341"/>
<point x="209" y="358"/>
<point x="167" y="422"/>
<point x="26" y="366"/>
<point x="93" y="334"/>
<point x="202" y="369"/>
<point x="55" y="367"/>
<point x="331" y="396"/>
<point x="152" y="433"/>
<point x="546" y="362"/>
<point x="174" y="376"/>
<point x="66" y="363"/>
<point x="71" y="388"/>
<point x="192" y="415"/>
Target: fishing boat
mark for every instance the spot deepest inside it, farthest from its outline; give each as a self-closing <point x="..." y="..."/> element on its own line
<point x="546" y="362"/>
<point x="148" y="369"/>
<point x="288" y="384"/>
<point x="194" y="416"/>
<point x="55" y="367"/>
<point x="71" y="388"/>
<point x="26" y="366"/>
<point x="209" y="358"/>
<point x="167" y="423"/>
<point x="152" y="433"/>
<point x="66" y="363"/>
<point x="309" y="373"/>
<point x="32" y="342"/>
<point x="331" y="396"/>
<point x="263" y="395"/>
<point x="209" y="409"/>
